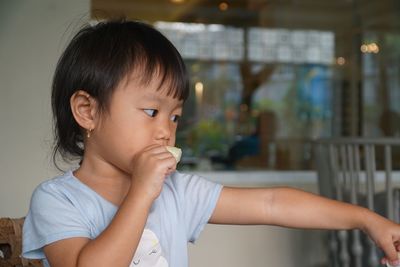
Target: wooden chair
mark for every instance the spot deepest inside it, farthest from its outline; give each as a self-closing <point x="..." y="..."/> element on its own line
<point x="359" y="171"/>
<point x="11" y="244"/>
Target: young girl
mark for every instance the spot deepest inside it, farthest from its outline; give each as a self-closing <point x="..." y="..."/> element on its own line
<point x="117" y="96"/>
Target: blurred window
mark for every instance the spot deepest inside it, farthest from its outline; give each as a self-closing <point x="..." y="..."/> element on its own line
<point x="268" y="77"/>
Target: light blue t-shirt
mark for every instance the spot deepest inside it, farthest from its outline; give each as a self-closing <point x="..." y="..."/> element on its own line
<point x="64" y="207"/>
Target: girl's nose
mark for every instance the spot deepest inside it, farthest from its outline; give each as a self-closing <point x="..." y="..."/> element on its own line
<point x="163" y="129"/>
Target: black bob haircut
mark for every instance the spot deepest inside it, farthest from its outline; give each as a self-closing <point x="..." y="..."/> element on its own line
<point x="96" y="60"/>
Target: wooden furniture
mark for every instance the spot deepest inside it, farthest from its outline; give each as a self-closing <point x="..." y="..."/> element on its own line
<point x="11" y="244"/>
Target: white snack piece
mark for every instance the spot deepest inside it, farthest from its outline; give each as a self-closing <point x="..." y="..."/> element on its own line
<point x="398" y="256"/>
<point x="176" y="152"/>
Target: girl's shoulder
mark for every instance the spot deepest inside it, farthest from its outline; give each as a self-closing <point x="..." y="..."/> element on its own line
<point x="66" y="189"/>
<point x="184" y="178"/>
<point x="58" y="184"/>
<point x="187" y="183"/>
<point x="65" y="177"/>
<point x="65" y="196"/>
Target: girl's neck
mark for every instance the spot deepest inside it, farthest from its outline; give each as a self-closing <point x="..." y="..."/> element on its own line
<point x="108" y="181"/>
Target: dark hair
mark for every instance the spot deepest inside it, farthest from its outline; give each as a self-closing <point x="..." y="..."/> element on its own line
<point x="96" y="60"/>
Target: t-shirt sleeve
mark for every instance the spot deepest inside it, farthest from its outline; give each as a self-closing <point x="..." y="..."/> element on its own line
<point x="200" y="199"/>
<point x="52" y="216"/>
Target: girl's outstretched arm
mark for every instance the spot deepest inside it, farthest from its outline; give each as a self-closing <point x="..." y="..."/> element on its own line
<point x="298" y="209"/>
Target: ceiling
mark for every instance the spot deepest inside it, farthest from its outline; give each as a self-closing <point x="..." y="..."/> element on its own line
<point x="334" y="15"/>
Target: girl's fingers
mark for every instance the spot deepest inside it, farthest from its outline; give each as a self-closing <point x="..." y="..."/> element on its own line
<point x="392" y="255"/>
<point x="161" y="152"/>
<point x="165" y="155"/>
<point x="170" y="171"/>
<point x="159" y="155"/>
<point x="389" y="263"/>
<point x="156" y="149"/>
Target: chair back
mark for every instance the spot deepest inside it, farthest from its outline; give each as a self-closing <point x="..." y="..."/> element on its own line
<point x="11" y="244"/>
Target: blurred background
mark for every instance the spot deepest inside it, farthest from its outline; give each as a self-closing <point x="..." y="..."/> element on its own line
<point x="267" y="78"/>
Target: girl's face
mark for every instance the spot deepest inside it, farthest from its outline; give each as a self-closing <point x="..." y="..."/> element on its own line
<point x="139" y="116"/>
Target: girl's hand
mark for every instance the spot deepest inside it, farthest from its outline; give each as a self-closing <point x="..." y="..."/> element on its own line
<point x="149" y="169"/>
<point x="386" y="235"/>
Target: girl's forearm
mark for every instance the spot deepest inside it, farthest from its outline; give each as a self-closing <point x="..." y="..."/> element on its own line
<point x="117" y="244"/>
<point x="295" y="208"/>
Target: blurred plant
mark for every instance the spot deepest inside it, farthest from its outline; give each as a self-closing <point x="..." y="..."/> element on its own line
<point x="207" y="137"/>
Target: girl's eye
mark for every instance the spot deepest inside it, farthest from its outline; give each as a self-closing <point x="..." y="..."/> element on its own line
<point x="175" y="118"/>
<point x="151" y="112"/>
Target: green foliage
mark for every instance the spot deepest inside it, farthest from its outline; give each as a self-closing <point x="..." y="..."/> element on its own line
<point x="207" y="137"/>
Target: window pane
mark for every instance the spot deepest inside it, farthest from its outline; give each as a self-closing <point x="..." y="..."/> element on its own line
<point x="268" y="77"/>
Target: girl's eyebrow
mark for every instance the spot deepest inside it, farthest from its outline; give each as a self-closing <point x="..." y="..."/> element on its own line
<point x="158" y="99"/>
<point x="152" y="97"/>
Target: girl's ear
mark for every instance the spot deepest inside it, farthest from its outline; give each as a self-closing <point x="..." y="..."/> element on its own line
<point x="84" y="109"/>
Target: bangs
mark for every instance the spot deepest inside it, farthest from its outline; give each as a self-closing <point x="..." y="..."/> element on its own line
<point x="173" y="77"/>
<point x="155" y="56"/>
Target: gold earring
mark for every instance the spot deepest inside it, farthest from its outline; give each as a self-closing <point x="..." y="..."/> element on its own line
<point x="88" y="132"/>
